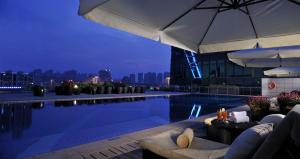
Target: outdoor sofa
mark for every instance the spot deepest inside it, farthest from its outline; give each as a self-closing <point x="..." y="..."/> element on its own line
<point x="274" y="138"/>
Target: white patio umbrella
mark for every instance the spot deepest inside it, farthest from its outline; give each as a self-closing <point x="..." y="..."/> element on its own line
<point x="267" y="57"/>
<point x="283" y="72"/>
<point x="202" y="25"/>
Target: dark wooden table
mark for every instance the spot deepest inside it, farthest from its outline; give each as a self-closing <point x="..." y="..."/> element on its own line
<point x="226" y="132"/>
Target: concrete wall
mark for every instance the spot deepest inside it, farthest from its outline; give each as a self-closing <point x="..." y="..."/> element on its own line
<point x="282" y="85"/>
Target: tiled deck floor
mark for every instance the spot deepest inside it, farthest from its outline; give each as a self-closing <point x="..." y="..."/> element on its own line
<point x="124" y="147"/>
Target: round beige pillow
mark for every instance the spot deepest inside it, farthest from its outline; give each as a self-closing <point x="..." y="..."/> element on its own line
<point x="182" y="141"/>
<point x="185" y="139"/>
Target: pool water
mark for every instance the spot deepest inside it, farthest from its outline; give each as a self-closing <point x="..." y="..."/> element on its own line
<point x="29" y="129"/>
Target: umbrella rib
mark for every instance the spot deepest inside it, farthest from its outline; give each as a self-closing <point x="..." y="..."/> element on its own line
<point x="252" y="2"/>
<point x="251" y="20"/>
<point x="211" y="22"/>
<point x="182" y="15"/>
<point x="295" y="2"/>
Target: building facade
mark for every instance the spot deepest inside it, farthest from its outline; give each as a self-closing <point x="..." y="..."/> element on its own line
<point x="159" y="79"/>
<point x="105" y="75"/>
<point x="150" y="78"/>
<point x="180" y="74"/>
<point x="132" y="78"/>
<point x="140" y="78"/>
<point x="216" y="69"/>
<point x="15" y="80"/>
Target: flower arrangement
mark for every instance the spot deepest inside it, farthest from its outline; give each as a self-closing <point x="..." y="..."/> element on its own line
<point x="287" y="101"/>
<point x="259" y="107"/>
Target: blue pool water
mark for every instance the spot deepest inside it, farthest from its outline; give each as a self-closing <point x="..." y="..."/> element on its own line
<point x="29" y="129"/>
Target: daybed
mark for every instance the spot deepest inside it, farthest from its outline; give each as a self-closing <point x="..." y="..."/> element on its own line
<point x="271" y="139"/>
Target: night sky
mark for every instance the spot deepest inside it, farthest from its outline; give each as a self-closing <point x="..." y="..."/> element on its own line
<point x="49" y="34"/>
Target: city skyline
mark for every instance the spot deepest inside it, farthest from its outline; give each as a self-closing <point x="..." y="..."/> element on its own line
<point x="85" y="73"/>
<point x="38" y="37"/>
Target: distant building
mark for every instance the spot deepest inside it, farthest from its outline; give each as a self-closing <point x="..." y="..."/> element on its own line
<point x="166" y="80"/>
<point x="93" y="79"/>
<point x="126" y="80"/>
<point x="15" y="80"/>
<point x="216" y="70"/>
<point x="105" y="75"/>
<point x="37" y="76"/>
<point x="132" y="78"/>
<point x="70" y="75"/>
<point x="166" y="74"/>
<point x="140" y="78"/>
<point x="180" y="72"/>
<point x="159" y="79"/>
<point x="150" y="78"/>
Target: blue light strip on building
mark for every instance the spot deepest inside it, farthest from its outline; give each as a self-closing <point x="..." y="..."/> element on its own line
<point x="196" y="108"/>
<point x="193" y="63"/>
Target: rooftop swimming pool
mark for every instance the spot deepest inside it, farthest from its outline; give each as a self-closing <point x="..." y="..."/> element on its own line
<point x="28" y="129"/>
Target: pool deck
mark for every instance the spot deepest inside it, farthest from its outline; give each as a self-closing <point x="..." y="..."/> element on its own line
<point x="28" y="97"/>
<point x="125" y="146"/>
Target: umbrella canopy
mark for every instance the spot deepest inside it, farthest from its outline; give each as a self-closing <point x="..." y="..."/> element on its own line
<point x="267" y="57"/>
<point x="202" y="25"/>
<point x="283" y="72"/>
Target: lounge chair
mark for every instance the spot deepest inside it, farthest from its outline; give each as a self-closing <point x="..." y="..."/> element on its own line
<point x="283" y="141"/>
<point x="163" y="146"/>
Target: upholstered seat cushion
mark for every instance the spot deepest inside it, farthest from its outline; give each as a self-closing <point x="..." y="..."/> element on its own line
<point x="275" y="119"/>
<point x="289" y="127"/>
<point x="245" y="145"/>
<point x="164" y="144"/>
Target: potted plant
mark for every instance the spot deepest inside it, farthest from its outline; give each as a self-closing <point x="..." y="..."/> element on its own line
<point x="119" y="88"/>
<point x="82" y="87"/>
<point x="108" y="87"/>
<point x="131" y="89"/>
<point x="143" y="89"/>
<point x="296" y="92"/>
<point x="138" y="89"/>
<point x="58" y="90"/>
<point x="92" y="89"/>
<point x="125" y="90"/>
<point x="287" y="101"/>
<point x="259" y="107"/>
<point x="100" y="89"/>
<point x="76" y="89"/>
<point x="38" y="90"/>
<point x="67" y="87"/>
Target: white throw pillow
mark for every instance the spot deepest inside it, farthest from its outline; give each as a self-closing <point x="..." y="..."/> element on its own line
<point x="245" y="145"/>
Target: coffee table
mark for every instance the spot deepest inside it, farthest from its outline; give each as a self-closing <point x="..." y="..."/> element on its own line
<point x="226" y="132"/>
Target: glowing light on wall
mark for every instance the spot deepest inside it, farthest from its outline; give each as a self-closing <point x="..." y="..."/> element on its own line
<point x="193" y="63"/>
<point x="195" y="111"/>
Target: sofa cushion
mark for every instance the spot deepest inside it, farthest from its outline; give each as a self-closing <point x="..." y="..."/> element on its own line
<point x="203" y="149"/>
<point x="245" y="145"/>
<point x="289" y="127"/>
<point x="272" y="118"/>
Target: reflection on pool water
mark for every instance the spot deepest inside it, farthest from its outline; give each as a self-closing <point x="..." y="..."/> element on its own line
<point x="29" y="129"/>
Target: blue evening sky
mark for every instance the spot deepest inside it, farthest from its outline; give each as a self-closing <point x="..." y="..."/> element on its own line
<point x="49" y="34"/>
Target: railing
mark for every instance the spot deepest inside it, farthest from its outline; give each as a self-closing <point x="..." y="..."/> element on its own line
<point x="227" y="90"/>
<point x="220" y="90"/>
